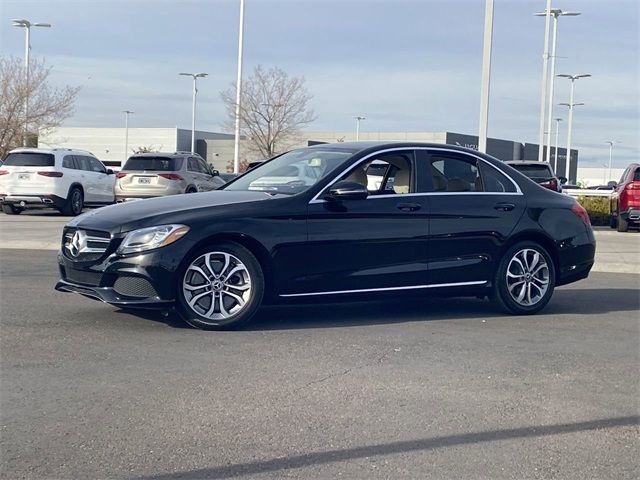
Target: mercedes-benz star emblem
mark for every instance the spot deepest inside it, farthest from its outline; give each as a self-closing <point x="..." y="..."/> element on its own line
<point x="78" y="243"/>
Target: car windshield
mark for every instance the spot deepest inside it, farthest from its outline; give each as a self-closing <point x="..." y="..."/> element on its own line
<point x="161" y="164"/>
<point x="534" y="171"/>
<point x="293" y="172"/>
<point x="29" y="159"/>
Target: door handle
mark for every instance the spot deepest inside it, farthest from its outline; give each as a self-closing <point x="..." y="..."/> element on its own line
<point x="504" y="207"/>
<point x="408" y="207"/>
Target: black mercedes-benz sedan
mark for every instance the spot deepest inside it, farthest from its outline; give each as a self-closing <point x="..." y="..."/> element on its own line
<point x="337" y="220"/>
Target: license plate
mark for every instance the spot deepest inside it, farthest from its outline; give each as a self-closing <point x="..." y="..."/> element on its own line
<point x="24" y="176"/>
<point x="144" y="180"/>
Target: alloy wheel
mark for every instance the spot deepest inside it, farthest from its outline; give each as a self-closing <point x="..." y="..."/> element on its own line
<point x="217" y="285"/>
<point x="527" y="277"/>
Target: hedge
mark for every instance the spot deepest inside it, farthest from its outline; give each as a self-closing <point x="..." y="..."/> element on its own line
<point x="598" y="209"/>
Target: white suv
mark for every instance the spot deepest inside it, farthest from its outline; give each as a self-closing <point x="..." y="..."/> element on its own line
<point x="58" y="178"/>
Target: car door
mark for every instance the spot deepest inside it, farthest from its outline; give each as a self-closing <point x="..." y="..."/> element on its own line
<point x="378" y="243"/>
<point x="86" y="178"/>
<point x="103" y="182"/>
<point x="473" y="209"/>
<point x="208" y="180"/>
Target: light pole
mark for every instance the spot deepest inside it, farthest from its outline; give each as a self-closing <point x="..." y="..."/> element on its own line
<point x="555" y="160"/>
<point x="556" y="12"/>
<point x="610" y="143"/>
<point x="545" y="70"/>
<point x="358" y="119"/>
<point x="195" y="77"/>
<point x="26" y="24"/>
<point x="486" y="77"/>
<point x="236" y="151"/>
<point x="571" y="104"/>
<point x="126" y="132"/>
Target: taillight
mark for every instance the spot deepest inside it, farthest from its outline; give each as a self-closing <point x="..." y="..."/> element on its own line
<point x="50" y="174"/>
<point x="633" y="186"/>
<point x="170" y="176"/>
<point x="4" y="172"/>
<point x="550" y="184"/>
<point x="120" y="175"/>
<point x="580" y="211"/>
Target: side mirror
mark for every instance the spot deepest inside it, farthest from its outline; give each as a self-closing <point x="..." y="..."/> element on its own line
<point x="563" y="180"/>
<point x="344" y="190"/>
<point x="612" y="184"/>
<point x="215" y="173"/>
<point x="109" y="171"/>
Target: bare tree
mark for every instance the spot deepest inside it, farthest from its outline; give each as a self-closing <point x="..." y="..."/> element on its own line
<point x="273" y="109"/>
<point x="48" y="106"/>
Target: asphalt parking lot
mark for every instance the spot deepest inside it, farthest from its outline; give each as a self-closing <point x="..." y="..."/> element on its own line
<point x="399" y="388"/>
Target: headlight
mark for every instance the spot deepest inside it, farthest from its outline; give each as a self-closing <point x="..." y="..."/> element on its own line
<point x="151" y="237"/>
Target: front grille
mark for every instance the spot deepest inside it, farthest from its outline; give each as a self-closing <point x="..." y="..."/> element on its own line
<point x="85" y="245"/>
<point x="81" y="276"/>
<point x="134" y="287"/>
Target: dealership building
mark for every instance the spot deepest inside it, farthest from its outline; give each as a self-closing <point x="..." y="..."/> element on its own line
<point x="108" y="144"/>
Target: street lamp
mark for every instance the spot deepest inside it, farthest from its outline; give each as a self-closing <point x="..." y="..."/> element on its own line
<point x="26" y="24"/>
<point x="358" y="119"/>
<point x="555" y="160"/>
<point x="126" y="132"/>
<point x="611" y="142"/>
<point x="486" y="77"/>
<point x="555" y="12"/>
<point x="195" y="77"/>
<point x="571" y="104"/>
<point x="545" y="70"/>
<point x="236" y="150"/>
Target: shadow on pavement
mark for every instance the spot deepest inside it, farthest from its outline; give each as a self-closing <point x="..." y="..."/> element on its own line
<point x="411" y="309"/>
<point x="422" y="444"/>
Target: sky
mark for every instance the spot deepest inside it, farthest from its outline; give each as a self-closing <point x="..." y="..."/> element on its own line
<point x="404" y="65"/>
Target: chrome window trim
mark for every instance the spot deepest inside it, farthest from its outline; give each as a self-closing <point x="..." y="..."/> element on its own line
<point x="518" y="191"/>
<point x="385" y="289"/>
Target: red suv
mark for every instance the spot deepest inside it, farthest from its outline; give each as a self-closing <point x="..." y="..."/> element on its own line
<point x="625" y="199"/>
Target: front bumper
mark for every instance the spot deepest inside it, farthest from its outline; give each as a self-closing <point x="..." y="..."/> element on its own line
<point x="36" y="200"/>
<point x="145" y="280"/>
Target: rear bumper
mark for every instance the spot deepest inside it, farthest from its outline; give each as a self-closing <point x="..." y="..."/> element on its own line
<point x="35" y="200"/>
<point x="577" y="256"/>
<point x="631" y="215"/>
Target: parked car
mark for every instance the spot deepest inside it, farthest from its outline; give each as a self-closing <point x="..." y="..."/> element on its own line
<point x="571" y="186"/>
<point x="540" y="172"/>
<point x="147" y="175"/>
<point x="64" y="179"/>
<point x="227" y="177"/>
<point x="455" y="222"/>
<point x="625" y="199"/>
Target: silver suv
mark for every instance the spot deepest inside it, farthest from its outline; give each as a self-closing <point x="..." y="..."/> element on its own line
<point x="147" y="175"/>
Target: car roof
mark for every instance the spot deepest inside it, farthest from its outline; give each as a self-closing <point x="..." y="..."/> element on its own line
<point x="52" y="151"/>
<point x="164" y="154"/>
<point x="358" y="147"/>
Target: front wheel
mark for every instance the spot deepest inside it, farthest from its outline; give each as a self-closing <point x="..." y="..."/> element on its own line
<point x="12" y="210"/>
<point x="525" y="279"/>
<point x="220" y="288"/>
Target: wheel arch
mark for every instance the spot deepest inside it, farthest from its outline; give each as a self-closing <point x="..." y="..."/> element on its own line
<point x="256" y="248"/>
<point x="540" y="238"/>
<point x="75" y="185"/>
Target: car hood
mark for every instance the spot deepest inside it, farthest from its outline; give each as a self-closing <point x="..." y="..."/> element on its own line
<point x="128" y="216"/>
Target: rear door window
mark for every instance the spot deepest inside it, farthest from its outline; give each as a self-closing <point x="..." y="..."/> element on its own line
<point x="495" y="181"/>
<point x="455" y="173"/>
<point x="95" y="165"/>
<point x="152" y="164"/>
<point x="69" y="162"/>
<point x="29" y="159"/>
<point x="82" y="163"/>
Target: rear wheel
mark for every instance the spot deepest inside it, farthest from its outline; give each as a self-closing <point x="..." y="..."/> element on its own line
<point x="74" y="204"/>
<point x="525" y="279"/>
<point x="191" y="190"/>
<point x="623" y="225"/>
<point x="221" y="287"/>
<point x="12" y="209"/>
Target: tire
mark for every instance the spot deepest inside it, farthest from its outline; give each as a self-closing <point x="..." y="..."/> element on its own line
<point x="191" y="190"/>
<point x="12" y="210"/>
<point x="209" y="301"/>
<point x="623" y="225"/>
<point x="74" y="203"/>
<point x="538" y="273"/>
